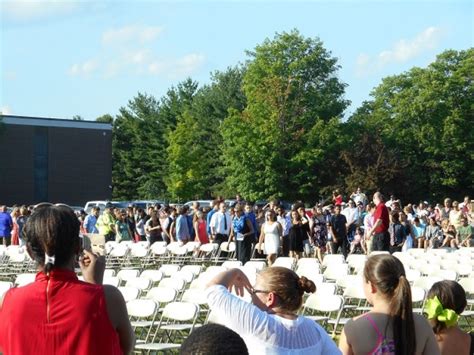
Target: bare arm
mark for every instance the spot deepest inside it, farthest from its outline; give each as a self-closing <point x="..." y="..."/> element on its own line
<point x="118" y="315"/>
<point x="344" y="346"/>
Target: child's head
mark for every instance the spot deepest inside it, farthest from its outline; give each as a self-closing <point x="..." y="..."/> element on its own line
<point x="452" y="297"/>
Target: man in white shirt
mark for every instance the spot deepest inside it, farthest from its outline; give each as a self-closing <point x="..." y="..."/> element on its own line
<point x="220" y="224"/>
<point x="351" y="212"/>
<point x="285" y="220"/>
<point x="359" y="196"/>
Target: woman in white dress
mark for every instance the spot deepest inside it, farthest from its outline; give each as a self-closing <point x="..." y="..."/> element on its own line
<point x="270" y="235"/>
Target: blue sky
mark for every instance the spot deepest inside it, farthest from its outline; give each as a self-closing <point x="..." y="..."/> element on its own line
<point x="88" y="58"/>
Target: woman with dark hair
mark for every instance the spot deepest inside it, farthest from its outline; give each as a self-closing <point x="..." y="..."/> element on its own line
<point x="270" y="324"/>
<point x="446" y="300"/>
<point x="270" y="235"/>
<point x="390" y="327"/>
<point x="296" y="235"/>
<point x="58" y="314"/>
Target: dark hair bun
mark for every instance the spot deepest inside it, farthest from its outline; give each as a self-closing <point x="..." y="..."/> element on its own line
<point x="306" y="285"/>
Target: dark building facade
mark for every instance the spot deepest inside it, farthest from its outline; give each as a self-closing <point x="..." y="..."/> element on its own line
<point x="54" y="160"/>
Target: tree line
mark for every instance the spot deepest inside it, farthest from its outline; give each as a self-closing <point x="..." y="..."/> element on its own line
<point x="274" y="127"/>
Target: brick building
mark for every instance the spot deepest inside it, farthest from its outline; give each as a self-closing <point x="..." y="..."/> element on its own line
<point x="55" y="160"/>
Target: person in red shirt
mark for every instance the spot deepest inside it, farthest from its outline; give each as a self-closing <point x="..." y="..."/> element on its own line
<point x="379" y="232"/>
<point x="57" y="313"/>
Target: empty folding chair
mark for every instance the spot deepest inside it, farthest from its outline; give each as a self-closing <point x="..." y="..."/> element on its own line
<point x="177" y="321"/>
<point x="336" y="271"/>
<point x="154" y="276"/>
<point x="162" y="295"/>
<point x="141" y="283"/>
<point x="257" y="265"/>
<point x="333" y="259"/>
<point x="231" y="264"/>
<point x="194" y="269"/>
<point x="111" y="280"/>
<point x="285" y="261"/>
<point x="127" y="274"/>
<point x="418" y="295"/>
<point x="169" y="269"/>
<point x="4" y="287"/>
<point x="444" y="274"/>
<point x="129" y="293"/>
<point x="425" y="282"/>
<point x="324" y="308"/>
<point x="308" y="267"/>
<point x="356" y="261"/>
<point x="24" y="279"/>
<point x="326" y="288"/>
<point x="109" y="272"/>
<point x="186" y="276"/>
<point x="175" y="283"/>
<point x="199" y="297"/>
<point x="142" y="313"/>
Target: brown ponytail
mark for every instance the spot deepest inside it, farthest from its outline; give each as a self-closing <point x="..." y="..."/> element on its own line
<point x="306" y="285"/>
<point x="387" y="274"/>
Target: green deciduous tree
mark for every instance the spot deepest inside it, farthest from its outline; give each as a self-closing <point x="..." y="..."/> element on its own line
<point x="294" y="99"/>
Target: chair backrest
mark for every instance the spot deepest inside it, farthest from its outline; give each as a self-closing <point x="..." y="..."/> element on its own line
<point x="195" y="269"/>
<point x="209" y="247"/>
<point x="356" y="261"/>
<point x="153" y="275"/>
<point x="196" y="295"/>
<point x="231" y="264"/>
<point x="444" y="274"/>
<point x="169" y="269"/>
<point x="412" y="275"/>
<point x="324" y="303"/>
<point x="156" y="245"/>
<point x="187" y="276"/>
<point x="334" y="272"/>
<point x="129" y="293"/>
<point x="142" y="308"/>
<point x="181" y="311"/>
<point x="333" y="259"/>
<point x="109" y="272"/>
<point x="176" y="283"/>
<point x="468" y="284"/>
<point x="425" y="282"/>
<point x="4" y="287"/>
<point x="257" y="265"/>
<point x="24" y="279"/>
<point x="354" y="291"/>
<point x="127" y="274"/>
<point x="326" y="288"/>
<point x="111" y="280"/>
<point x="162" y="294"/>
<point x="141" y="283"/>
<point x="285" y="261"/>
<point x="215" y="269"/>
<point x="349" y="281"/>
<point x="417" y="294"/>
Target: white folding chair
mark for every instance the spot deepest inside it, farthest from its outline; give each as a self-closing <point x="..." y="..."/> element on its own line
<point x="162" y="295"/>
<point x="425" y="282"/>
<point x="141" y="283"/>
<point x="24" y="279"/>
<point x="256" y="265"/>
<point x="142" y="314"/>
<point x="324" y="308"/>
<point x="336" y="271"/>
<point x="331" y="259"/>
<point x="109" y="272"/>
<point x="169" y="269"/>
<point x="129" y="293"/>
<point x="127" y="274"/>
<point x="175" y="283"/>
<point x="232" y="264"/>
<point x="285" y="261"/>
<point x="177" y="317"/>
<point x="154" y="276"/>
<point x="4" y="287"/>
<point x="195" y="269"/>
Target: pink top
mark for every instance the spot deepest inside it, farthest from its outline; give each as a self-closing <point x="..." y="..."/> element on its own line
<point x="384" y="346"/>
<point x="57" y="315"/>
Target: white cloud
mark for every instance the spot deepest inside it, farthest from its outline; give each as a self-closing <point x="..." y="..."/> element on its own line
<point x="5" y="110"/>
<point x="9" y="75"/>
<point x="83" y="69"/>
<point x="26" y="10"/>
<point x="179" y="67"/>
<point x="401" y="52"/>
<point x="142" y="34"/>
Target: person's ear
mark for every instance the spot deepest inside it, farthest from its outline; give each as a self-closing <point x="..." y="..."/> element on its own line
<point x="373" y="289"/>
<point x="271" y="300"/>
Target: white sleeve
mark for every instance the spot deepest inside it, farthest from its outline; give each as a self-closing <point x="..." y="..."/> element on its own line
<point x="239" y="315"/>
<point x="212" y="223"/>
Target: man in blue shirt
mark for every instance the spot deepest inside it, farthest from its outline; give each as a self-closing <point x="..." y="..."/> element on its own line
<point x="182" y="230"/>
<point x="91" y="220"/>
<point x="253" y="219"/>
<point x="6" y="225"/>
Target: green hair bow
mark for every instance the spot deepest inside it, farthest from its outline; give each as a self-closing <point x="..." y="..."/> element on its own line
<point x="434" y="310"/>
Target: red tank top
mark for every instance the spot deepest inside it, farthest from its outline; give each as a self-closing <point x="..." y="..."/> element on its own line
<point x="67" y="316"/>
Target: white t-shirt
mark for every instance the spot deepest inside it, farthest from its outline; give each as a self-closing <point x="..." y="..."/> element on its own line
<point x="266" y="333"/>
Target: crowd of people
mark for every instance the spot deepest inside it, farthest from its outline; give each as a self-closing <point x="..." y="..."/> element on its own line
<point x="60" y="314"/>
<point x="355" y="226"/>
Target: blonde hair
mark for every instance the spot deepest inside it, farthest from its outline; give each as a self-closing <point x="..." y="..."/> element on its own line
<point x="288" y="286"/>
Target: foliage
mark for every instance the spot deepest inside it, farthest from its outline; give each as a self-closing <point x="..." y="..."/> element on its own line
<point x="294" y="98"/>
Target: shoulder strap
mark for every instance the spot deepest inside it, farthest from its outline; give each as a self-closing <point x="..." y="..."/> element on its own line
<point x="371" y="321"/>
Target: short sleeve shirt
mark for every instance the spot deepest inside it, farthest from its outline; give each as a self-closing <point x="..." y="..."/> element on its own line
<point x="381" y="212"/>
